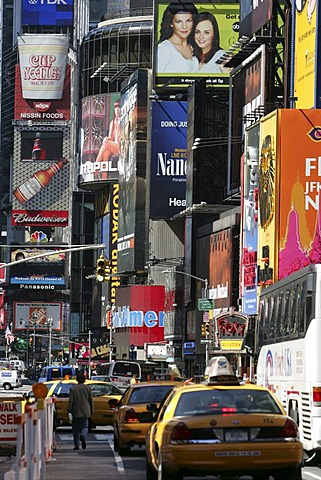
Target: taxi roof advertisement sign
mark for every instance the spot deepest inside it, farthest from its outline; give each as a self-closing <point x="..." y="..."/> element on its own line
<point x="180" y="52"/>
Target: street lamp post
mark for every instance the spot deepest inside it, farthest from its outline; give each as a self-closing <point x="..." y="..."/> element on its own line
<point x="110" y="311"/>
<point x="205" y="281"/>
<point x="50" y="324"/>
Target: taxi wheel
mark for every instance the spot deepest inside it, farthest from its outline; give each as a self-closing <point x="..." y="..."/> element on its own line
<point x="162" y="472"/>
<point x="115" y="443"/>
<point x="291" y="474"/>
<point x="123" y="449"/>
<point x="151" y="473"/>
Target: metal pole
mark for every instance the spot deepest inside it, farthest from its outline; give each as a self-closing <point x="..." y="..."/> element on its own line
<point x="89" y="358"/>
<point x="110" y="338"/>
<point x="50" y="334"/>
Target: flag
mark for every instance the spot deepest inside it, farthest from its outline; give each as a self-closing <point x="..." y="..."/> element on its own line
<point x="9" y="336"/>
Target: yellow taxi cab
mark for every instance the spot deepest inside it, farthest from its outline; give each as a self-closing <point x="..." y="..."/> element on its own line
<point x="132" y="418"/>
<point x="223" y="428"/>
<point x="102" y="393"/>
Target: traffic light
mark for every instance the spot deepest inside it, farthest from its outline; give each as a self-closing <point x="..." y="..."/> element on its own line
<point x="205" y="329"/>
<point x="100" y="268"/>
<point x="107" y="271"/>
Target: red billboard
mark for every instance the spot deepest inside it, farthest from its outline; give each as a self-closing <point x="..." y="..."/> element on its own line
<point x="139" y="315"/>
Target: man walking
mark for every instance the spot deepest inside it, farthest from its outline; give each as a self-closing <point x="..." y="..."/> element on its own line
<point x="81" y="407"/>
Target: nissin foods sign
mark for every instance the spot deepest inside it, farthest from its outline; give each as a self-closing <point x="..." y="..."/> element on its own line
<point x="124" y="317"/>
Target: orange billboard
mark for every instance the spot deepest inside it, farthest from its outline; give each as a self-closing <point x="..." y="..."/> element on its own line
<point x="267" y="200"/>
<point x="305" y="54"/>
<point x="300" y="181"/>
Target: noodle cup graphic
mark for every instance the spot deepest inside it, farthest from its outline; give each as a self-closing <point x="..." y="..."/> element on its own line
<point x="43" y="60"/>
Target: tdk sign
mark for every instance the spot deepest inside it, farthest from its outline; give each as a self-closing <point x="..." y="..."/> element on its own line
<point x="48" y="2"/>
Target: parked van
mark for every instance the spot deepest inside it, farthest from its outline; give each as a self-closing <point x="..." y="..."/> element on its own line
<point x="10" y="379"/>
<point x="57" y="372"/>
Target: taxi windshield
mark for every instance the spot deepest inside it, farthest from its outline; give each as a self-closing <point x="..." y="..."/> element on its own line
<point x="220" y="402"/>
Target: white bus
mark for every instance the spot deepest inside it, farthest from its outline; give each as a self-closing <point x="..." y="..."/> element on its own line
<point x="289" y="344"/>
<point x="120" y="372"/>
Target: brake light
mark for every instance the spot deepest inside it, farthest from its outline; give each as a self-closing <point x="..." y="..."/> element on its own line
<point x="113" y="379"/>
<point x="181" y="432"/>
<point x="316" y="395"/>
<point x="228" y="410"/>
<point x="290" y="429"/>
<point x="131" y="416"/>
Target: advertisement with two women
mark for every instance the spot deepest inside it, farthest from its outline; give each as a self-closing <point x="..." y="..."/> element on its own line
<point x="191" y="40"/>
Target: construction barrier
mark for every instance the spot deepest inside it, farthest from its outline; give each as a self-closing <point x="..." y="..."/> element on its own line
<point x="34" y="441"/>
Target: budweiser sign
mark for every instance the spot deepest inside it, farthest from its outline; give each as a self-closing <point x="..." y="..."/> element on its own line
<point x="42" y="106"/>
<point x="35" y="218"/>
<point x="43" y="60"/>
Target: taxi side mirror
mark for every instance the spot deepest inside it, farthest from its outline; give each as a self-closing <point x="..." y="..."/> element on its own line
<point x="113" y="403"/>
<point x="152" y="407"/>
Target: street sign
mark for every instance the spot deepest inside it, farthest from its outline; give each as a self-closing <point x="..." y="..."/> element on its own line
<point x="204" y="304"/>
<point x="206" y="340"/>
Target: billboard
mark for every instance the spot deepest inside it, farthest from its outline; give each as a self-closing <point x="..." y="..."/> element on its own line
<point x="300" y="176"/>
<point x="42" y="110"/>
<point x="168" y="159"/>
<point x="220" y="270"/>
<point x="36" y="315"/>
<point x="267" y="200"/>
<point x="47" y="12"/>
<point x="43" y="60"/>
<point x="253" y="15"/>
<point x="250" y="222"/>
<point x="305" y="70"/>
<point x="190" y="40"/>
<point x="139" y="315"/>
<point x="132" y="173"/>
<point x="40" y="179"/>
<point x="100" y="139"/>
<point x="38" y="274"/>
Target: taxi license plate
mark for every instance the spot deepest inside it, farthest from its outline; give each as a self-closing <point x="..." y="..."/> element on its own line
<point x="236" y="435"/>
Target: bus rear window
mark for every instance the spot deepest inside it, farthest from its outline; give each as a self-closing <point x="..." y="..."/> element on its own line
<point x="126" y="369"/>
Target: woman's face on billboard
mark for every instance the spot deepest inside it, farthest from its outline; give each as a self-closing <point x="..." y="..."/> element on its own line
<point x="204" y="35"/>
<point x="182" y="25"/>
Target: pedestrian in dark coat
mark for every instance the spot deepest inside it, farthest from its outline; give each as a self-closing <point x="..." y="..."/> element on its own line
<point x="81" y="407"/>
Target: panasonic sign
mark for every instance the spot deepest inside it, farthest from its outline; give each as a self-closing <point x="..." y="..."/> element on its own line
<point x="124" y="317"/>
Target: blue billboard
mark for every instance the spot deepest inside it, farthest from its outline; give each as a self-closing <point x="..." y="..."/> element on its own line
<point x="168" y="159"/>
<point x="47" y="12"/>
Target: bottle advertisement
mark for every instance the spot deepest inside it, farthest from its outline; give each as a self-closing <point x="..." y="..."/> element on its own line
<point x="41" y="178"/>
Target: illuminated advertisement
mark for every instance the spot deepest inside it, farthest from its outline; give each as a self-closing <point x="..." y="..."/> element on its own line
<point x="42" y="110"/>
<point x="253" y="15"/>
<point x="220" y="269"/>
<point x="43" y="60"/>
<point x="168" y="159"/>
<point x="113" y="255"/>
<point x="305" y="53"/>
<point x="47" y="12"/>
<point x="40" y="179"/>
<point x="38" y="274"/>
<point x="250" y="222"/>
<point x="181" y="51"/>
<point x="300" y="176"/>
<point x="248" y="101"/>
<point x="267" y="200"/>
<point x="132" y="173"/>
<point x="100" y="142"/>
<point x="36" y="315"/>
<point x="139" y="308"/>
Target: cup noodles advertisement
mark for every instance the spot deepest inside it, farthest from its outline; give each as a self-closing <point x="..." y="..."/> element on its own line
<point x="43" y="60"/>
